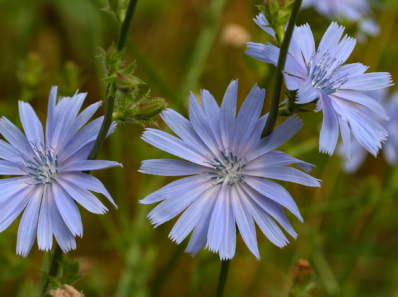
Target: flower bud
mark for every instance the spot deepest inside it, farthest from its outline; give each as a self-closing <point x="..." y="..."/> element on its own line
<point x="150" y="109"/>
<point x="127" y="83"/>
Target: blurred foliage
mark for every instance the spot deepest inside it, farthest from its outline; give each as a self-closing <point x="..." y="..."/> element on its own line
<point x="348" y="237"/>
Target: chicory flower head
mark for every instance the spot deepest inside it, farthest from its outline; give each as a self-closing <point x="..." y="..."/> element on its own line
<point x="319" y="74"/>
<point x="50" y="166"/>
<point x="230" y="167"/>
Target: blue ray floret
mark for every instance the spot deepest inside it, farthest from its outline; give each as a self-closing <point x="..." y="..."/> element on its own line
<point x="390" y="147"/>
<point x="229" y="170"/>
<point x="319" y="75"/>
<point x="49" y="164"/>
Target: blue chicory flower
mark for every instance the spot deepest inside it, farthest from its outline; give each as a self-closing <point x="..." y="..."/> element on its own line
<point x="390" y="147"/>
<point x="51" y="182"/>
<point x="230" y="167"/>
<point x="320" y="75"/>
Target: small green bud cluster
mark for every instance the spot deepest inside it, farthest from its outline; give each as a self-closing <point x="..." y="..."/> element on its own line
<point x="140" y="112"/>
<point x="129" y="108"/>
<point x="277" y="13"/>
<point x="112" y="60"/>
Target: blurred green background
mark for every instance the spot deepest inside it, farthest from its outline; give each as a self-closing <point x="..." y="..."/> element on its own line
<point x="349" y="234"/>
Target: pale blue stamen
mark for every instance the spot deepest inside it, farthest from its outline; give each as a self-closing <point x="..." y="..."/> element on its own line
<point x="45" y="170"/>
<point x="320" y="77"/>
<point x="226" y="170"/>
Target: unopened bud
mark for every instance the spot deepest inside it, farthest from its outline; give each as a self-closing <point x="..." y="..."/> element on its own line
<point x="127" y="83"/>
<point x="301" y="279"/>
<point x="150" y="109"/>
<point x="140" y="113"/>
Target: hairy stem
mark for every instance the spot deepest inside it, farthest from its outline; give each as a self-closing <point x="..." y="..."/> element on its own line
<point x="273" y="113"/>
<point x="111" y="89"/>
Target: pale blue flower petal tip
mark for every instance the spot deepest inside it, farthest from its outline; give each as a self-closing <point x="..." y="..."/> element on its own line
<point x="319" y="74"/>
<point x="50" y="166"/>
<point x="390" y="146"/>
<point x="230" y="166"/>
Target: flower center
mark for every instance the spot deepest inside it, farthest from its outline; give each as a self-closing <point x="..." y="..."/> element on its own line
<point x="42" y="167"/>
<point x="323" y="74"/>
<point x="228" y="169"/>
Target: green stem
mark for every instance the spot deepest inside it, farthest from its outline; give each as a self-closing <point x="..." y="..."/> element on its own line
<point x="273" y="113"/>
<point x="124" y="32"/>
<point x="223" y="278"/>
<point x="53" y="268"/>
<point x="111" y="90"/>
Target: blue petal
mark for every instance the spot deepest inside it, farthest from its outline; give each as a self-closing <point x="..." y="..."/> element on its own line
<point x="31" y="123"/>
<point x="66" y="120"/>
<point x="305" y="41"/>
<point x="228" y="243"/>
<point x="286" y="174"/>
<point x="50" y="124"/>
<point x="275" y="192"/>
<point x="276" y="159"/>
<point x="87" y="134"/>
<point x="169" y="167"/>
<point x="68" y="210"/>
<point x="217" y="221"/>
<point x="279" y="136"/>
<point x="190" y="218"/>
<point x="12" y="207"/>
<point x="88" y="182"/>
<point x="81" y="119"/>
<point x="244" y="220"/>
<point x="262" y="22"/>
<point x="254" y="137"/>
<point x="174" y="189"/>
<point x="28" y="225"/>
<point x="201" y="125"/>
<point x="87" y="165"/>
<point x="212" y="112"/>
<point x="44" y="232"/>
<point x="199" y="235"/>
<point x="307" y="93"/>
<point x="247" y="117"/>
<point x="15" y="137"/>
<point x="362" y="99"/>
<point x="330" y="39"/>
<point x="10" y="168"/>
<point x="275" y="210"/>
<point x="173" y="145"/>
<point x="228" y="113"/>
<point x="368" y="81"/>
<point x="10" y="186"/>
<point x="267" y="225"/>
<point x="85" y="198"/>
<point x="184" y="129"/>
<point x="330" y="127"/>
<point x="171" y="207"/>
<point x="62" y="234"/>
<point x="9" y="153"/>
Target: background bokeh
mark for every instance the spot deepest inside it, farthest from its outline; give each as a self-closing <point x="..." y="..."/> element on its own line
<point x="349" y="234"/>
